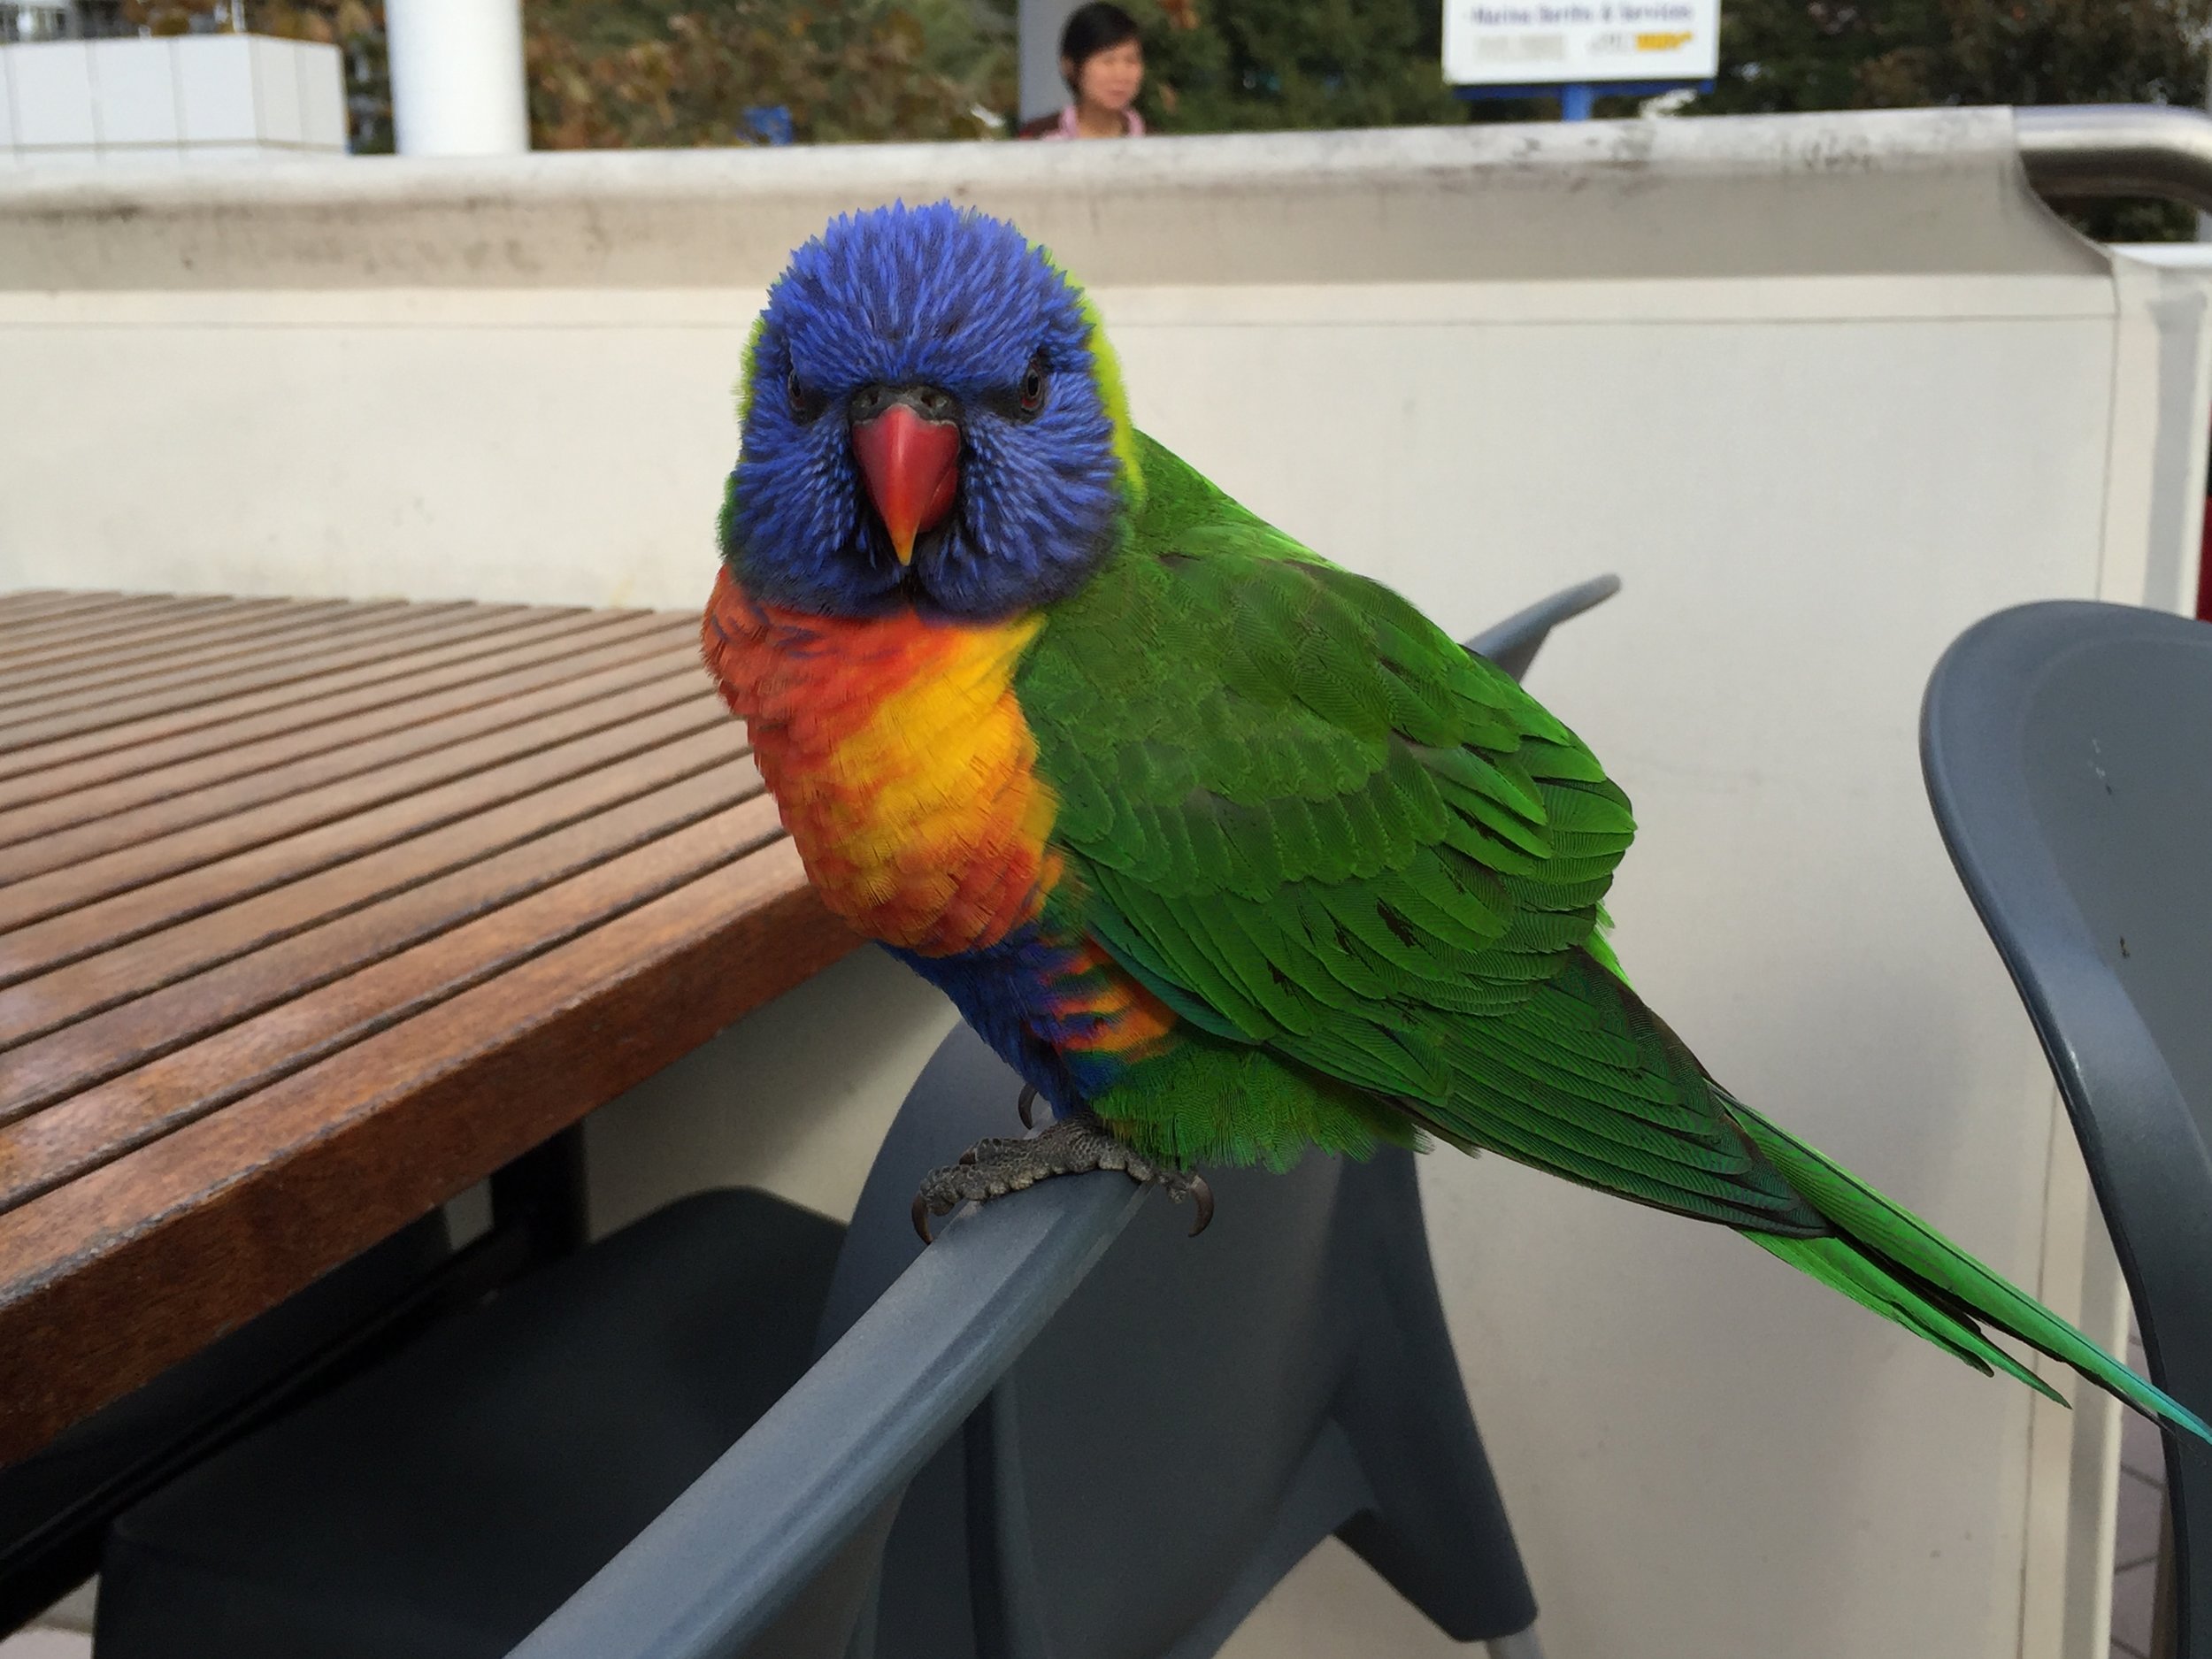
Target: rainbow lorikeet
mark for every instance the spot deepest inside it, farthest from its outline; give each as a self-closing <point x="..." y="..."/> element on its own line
<point x="1230" y="854"/>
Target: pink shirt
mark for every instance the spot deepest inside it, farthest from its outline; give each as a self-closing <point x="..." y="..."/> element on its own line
<point x="1134" y="127"/>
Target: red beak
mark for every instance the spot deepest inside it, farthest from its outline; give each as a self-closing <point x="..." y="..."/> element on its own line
<point x="912" y="468"/>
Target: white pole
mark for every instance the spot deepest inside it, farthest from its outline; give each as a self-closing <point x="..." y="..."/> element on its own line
<point x="457" y="77"/>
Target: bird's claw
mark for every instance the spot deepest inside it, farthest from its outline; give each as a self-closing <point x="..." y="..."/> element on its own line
<point x="1069" y="1146"/>
<point x="1201" y="1195"/>
<point x="1025" y="1103"/>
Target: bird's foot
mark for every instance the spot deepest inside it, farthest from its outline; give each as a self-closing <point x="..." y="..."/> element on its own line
<point x="1071" y="1146"/>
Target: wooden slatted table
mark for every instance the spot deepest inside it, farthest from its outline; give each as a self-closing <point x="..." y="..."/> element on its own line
<point x="314" y="914"/>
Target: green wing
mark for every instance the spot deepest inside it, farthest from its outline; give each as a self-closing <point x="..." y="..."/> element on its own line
<point x="1311" y="824"/>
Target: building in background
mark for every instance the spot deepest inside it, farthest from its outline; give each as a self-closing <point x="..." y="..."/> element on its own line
<point x="77" y="98"/>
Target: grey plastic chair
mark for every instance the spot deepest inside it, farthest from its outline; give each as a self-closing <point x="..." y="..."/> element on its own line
<point x="1284" y="1377"/>
<point x="1194" y="1420"/>
<point x="441" y="1504"/>
<point x="2068" y="752"/>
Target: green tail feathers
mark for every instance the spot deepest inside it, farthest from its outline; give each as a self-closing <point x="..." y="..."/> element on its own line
<point x="1887" y="1259"/>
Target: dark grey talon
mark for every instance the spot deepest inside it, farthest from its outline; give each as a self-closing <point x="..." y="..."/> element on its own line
<point x="1076" y="1145"/>
<point x="1027" y="1101"/>
<point x="1203" y="1195"/>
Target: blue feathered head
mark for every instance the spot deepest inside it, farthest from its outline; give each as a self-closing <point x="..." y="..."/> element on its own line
<point x="931" y="418"/>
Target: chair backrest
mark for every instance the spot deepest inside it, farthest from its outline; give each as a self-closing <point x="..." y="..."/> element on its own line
<point x="2068" y="751"/>
<point x="779" y="1549"/>
<point x="1513" y="643"/>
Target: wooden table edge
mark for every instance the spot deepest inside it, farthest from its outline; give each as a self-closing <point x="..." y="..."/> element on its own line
<point x="776" y="945"/>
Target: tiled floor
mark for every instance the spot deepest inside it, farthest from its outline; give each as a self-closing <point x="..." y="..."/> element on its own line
<point x="47" y="1644"/>
<point x="2135" y="1543"/>
<point x="61" y="1632"/>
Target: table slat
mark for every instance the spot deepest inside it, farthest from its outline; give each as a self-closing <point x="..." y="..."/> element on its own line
<point x="60" y="917"/>
<point x="170" y="639"/>
<point x="99" y="979"/>
<point x="344" y="777"/>
<point x="73" y="614"/>
<point x="69" y="795"/>
<point x="23" y="602"/>
<point x="40" y="718"/>
<point x="103" y="1123"/>
<point x="156" y="1009"/>
<point x="384" y="677"/>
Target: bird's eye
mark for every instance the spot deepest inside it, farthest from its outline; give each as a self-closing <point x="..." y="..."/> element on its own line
<point x="804" y="404"/>
<point x="1033" y="389"/>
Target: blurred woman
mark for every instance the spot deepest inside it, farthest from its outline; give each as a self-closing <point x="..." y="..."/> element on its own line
<point x="1102" y="61"/>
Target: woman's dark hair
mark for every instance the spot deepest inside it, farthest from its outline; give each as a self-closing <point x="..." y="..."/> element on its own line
<point x="1091" y="29"/>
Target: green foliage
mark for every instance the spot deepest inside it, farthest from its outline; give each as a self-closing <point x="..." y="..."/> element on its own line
<point x="627" y="75"/>
<point x="1240" y="65"/>
<point x="599" y="25"/>
<point x="1780" y="55"/>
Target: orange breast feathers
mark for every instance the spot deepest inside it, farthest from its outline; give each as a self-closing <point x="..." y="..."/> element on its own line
<point x="899" y="757"/>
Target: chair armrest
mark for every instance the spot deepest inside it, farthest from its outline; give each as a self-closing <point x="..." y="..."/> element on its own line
<point x="713" y="1570"/>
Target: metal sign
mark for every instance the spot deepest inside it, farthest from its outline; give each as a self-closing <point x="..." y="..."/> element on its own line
<point x="1534" y="43"/>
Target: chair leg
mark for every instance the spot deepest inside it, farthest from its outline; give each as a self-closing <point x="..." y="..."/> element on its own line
<point x="1520" y="1645"/>
<point x="1438" y="1530"/>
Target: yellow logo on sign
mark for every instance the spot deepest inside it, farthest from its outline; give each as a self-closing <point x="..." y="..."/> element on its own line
<point x="1662" y="43"/>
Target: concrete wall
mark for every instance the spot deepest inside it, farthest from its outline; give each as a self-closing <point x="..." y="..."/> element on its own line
<point x="1823" y="391"/>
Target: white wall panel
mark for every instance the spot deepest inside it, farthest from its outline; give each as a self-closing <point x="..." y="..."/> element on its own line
<point x="53" y="95"/>
<point x="215" y="90"/>
<point x="135" y="93"/>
